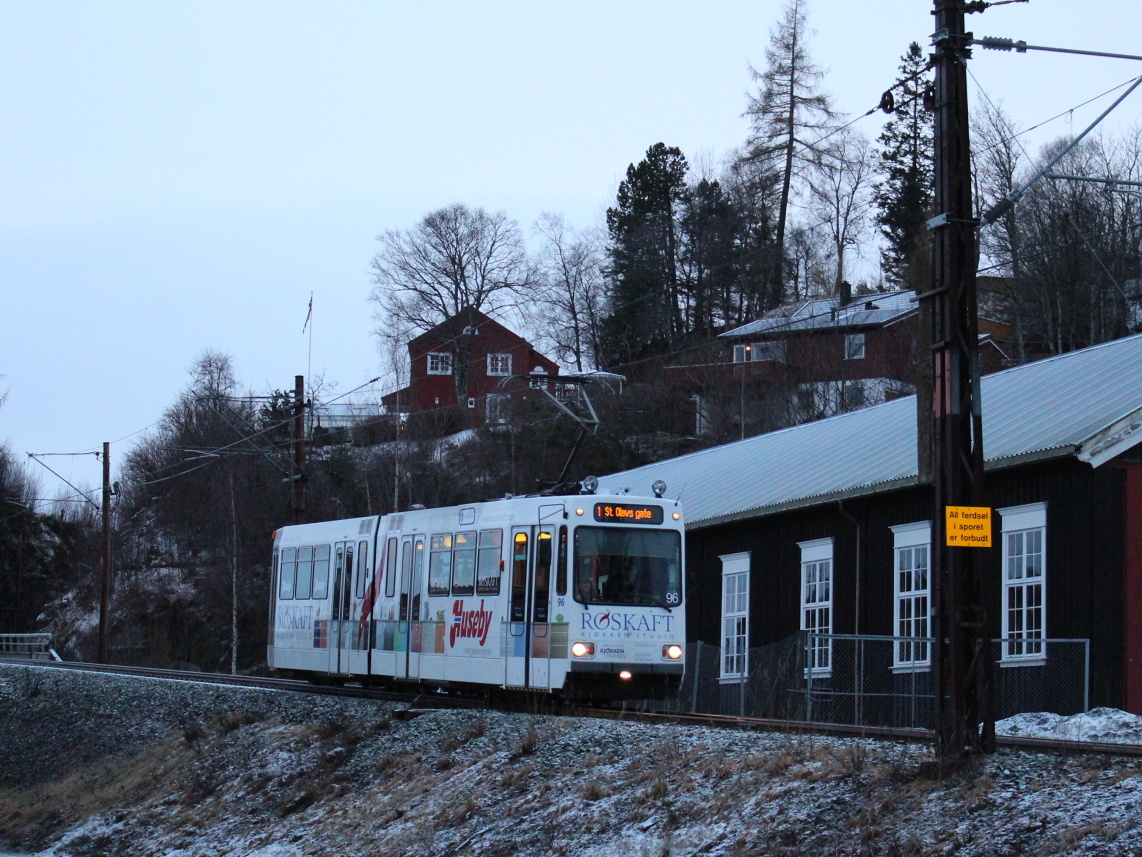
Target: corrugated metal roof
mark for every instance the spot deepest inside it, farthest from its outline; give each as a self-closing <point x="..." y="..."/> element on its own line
<point x="865" y="310"/>
<point x="1044" y="409"/>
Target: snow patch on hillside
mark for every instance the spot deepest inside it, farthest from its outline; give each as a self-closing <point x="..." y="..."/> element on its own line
<point x="1100" y="725"/>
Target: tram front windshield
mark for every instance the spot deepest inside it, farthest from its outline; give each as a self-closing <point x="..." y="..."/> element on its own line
<point x="628" y="566"/>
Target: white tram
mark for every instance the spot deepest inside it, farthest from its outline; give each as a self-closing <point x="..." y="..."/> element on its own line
<point x="579" y="595"/>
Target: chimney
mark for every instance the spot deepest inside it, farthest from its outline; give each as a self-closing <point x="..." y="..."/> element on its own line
<point x="845" y="293"/>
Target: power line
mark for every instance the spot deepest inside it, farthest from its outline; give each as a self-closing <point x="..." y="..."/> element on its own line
<point x="1039" y="125"/>
<point x="36" y="459"/>
<point x="999" y="43"/>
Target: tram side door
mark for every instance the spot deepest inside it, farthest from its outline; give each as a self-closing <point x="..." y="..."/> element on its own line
<point x="527" y="663"/>
<point x="411" y="579"/>
<point x="341" y="621"/>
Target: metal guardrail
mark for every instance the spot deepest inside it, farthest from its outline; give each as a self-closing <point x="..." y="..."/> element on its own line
<point x="32" y="647"/>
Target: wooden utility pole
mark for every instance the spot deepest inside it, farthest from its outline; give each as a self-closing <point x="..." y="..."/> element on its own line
<point x="105" y="558"/>
<point x="963" y="646"/>
<point x="297" y="478"/>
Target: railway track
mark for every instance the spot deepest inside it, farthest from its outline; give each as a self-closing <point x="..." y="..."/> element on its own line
<point x="420" y="701"/>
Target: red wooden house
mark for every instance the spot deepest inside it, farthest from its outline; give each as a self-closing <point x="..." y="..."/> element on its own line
<point x="465" y="371"/>
<point x="862" y="347"/>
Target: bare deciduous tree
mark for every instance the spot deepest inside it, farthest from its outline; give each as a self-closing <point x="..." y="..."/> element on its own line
<point x="455" y="259"/>
<point x="572" y="292"/>
<point x="841" y="195"/>
<point x="1071" y="249"/>
<point x="997" y="160"/>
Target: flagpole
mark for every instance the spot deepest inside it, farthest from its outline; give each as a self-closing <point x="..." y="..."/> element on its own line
<point x="309" y="363"/>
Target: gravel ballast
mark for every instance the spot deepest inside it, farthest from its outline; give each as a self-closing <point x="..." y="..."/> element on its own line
<point x="97" y="764"/>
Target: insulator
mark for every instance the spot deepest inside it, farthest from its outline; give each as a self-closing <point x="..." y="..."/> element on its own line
<point x="999" y="43"/>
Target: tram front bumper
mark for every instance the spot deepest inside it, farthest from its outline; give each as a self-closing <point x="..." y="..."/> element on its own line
<point x="618" y="680"/>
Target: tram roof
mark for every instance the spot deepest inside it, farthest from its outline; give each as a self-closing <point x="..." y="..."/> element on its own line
<point x="1086" y="404"/>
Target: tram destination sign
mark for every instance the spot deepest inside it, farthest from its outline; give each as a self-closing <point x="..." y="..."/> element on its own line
<point x="968" y="526"/>
<point x="628" y="514"/>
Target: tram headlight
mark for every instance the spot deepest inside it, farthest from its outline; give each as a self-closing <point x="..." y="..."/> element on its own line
<point x="672" y="652"/>
<point x="583" y="650"/>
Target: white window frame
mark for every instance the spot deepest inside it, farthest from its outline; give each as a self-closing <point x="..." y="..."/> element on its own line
<point x="911" y="602"/>
<point x="1024" y="535"/>
<point x="854" y="346"/>
<point x="817" y="603"/>
<point x="742" y="352"/>
<point x="735" y="617"/>
<point x="499" y="364"/>
<point x="439" y="363"/>
<point x="496" y="408"/>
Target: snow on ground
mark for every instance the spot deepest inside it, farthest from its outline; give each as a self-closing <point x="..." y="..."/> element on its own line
<point x="109" y="766"/>
<point x="1106" y="725"/>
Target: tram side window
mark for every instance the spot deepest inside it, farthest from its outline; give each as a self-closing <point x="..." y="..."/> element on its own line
<point x="561" y="563"/>
<point x="362" y="567"/>
<point x="305" y="572"/>
<point x="288" y="570"/>
<point x="543" y="556"/>
<point x="340" y="575"/>
<point x="405" y="579"/>
<point x="464" y="564"/>
<point x="489" y="563"/>
<point x="321" y="572"/>
<point x="519" y="578"/>
<point x="440" y="564"/>
<point x="391" y="569"/>
<point x="275" y="573"/>
<point x="417" y="576"/>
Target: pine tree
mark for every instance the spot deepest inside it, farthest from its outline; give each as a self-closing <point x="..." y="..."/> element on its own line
<point x="645" y="307"/>
<point x="904" y="193"/>
<point x="711" y="229"/>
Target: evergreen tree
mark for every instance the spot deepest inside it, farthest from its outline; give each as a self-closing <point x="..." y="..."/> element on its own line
<point x="645" y="307"/>
<point x="711" y="249"/>
<point x="789" y="115"/>
<point x="754" y="192"/>
<point x="904" y="193"/>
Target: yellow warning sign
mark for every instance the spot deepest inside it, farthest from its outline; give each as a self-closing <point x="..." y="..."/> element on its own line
<point x="968" y="526"/>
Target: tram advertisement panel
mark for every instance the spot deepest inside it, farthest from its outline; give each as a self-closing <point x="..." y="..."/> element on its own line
<point x="469" y="629"/>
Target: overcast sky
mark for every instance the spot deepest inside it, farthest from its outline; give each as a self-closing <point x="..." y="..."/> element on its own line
<point x="179" y="176"/>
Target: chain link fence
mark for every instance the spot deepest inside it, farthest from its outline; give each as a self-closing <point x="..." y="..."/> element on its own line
<point x="874" y="681"/>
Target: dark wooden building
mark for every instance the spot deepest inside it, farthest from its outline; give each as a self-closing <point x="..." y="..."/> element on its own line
<point x="825" y="528"/>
